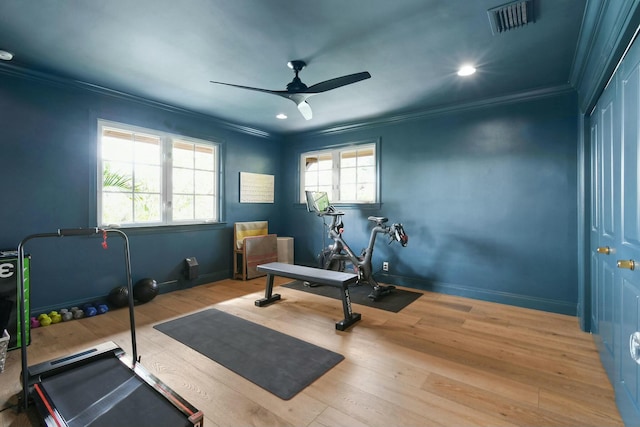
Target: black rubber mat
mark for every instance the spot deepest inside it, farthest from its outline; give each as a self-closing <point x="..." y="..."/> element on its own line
<point x="279" y="363"/>
<point x="395" y="301"/>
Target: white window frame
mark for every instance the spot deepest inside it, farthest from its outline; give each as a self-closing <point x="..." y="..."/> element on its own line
<point x="335" y="152"/>
<point x="166" y="190"/>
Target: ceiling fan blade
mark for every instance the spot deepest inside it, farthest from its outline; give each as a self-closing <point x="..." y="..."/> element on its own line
<point x="305" y="109"/>
<point x="298" y="98"/>
<point x="338" y="82"/>
<point x="274" y="92"/>
<point x="298" y="91"/>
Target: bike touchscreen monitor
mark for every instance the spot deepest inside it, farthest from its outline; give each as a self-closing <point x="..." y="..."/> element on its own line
<point x="317" y="201"/>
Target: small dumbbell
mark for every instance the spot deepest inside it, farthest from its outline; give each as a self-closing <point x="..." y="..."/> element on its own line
<point x="77" y="313"/>
<point x="66" y="315"/>
<point x="44" y="320"/>
<point x="55" y="317"/>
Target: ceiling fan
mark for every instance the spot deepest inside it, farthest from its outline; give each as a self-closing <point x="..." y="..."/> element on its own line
<point x="298" y="92"/>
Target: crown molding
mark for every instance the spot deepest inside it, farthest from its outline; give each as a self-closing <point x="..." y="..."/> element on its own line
<point x="62" y="82"/>
<point x="607" y="29"/>
<point x="447" y="109"/>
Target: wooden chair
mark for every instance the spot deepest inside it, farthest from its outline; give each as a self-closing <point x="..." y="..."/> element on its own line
<point x="252" y="246"/>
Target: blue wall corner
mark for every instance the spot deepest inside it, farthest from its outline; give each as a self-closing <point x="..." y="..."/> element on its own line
<point x="487" y="196"/>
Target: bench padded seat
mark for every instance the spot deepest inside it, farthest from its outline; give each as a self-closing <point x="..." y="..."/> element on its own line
<point x="309" y="274"/>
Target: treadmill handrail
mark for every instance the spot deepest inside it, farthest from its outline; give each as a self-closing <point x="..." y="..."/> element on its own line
<point x="22" y="317"/>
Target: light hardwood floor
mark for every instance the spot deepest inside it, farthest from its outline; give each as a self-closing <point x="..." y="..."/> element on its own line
<point x="442" y="361"/>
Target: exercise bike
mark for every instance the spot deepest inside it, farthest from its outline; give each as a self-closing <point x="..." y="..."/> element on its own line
<point x="336" y="255"/>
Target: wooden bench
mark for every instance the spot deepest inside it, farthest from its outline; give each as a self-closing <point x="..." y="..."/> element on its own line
<point x="313" y="275"/>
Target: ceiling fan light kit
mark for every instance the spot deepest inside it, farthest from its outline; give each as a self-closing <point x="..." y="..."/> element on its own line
<point x="6" y="55"/>
<point x="299" y="92"/>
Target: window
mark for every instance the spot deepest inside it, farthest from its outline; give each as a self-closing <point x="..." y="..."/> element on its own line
<point x="147" y="177"/>
<point x="348" y="174"/>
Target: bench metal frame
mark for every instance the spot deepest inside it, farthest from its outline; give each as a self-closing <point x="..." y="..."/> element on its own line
<point x="336" y="279"/>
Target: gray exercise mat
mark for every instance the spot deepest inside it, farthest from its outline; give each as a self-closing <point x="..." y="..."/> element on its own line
<point x="279" y="363"/>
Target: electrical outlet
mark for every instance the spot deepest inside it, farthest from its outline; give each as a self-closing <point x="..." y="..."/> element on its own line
<point x="385" y="266"/>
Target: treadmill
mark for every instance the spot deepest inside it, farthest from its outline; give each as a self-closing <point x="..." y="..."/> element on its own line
<point x="102" y="385"/>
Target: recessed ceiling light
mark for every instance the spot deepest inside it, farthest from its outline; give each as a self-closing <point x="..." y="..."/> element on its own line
<point x="6" y="56"/>
<point x="466" y="70"/>
<point x="281" y="116"/>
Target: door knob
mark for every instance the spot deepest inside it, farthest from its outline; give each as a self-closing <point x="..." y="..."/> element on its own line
<point x="634" y="346"/>
<point x="628" y="264"/>
<point x="604" y="250"/>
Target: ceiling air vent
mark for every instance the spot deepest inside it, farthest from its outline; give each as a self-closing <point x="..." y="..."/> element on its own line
<point x="511" y="15"/>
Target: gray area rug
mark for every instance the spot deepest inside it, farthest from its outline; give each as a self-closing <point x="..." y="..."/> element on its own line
<point x="279" y="363"/>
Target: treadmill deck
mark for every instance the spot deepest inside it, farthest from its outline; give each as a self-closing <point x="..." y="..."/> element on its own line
<point x="102" y="386"/>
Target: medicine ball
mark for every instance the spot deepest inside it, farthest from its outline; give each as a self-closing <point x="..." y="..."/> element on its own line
<point x="145" y="290"/>
<point x="119" y="296"/>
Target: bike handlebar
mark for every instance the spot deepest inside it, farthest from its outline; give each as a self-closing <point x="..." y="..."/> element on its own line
<point x="395" y="231"/>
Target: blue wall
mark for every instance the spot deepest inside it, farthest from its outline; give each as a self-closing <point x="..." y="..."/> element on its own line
<point x="488" y="197"/>
<point x="48" y="163"/>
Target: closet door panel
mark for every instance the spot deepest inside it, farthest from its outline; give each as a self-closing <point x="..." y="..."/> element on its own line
<point x="628" y="251"/>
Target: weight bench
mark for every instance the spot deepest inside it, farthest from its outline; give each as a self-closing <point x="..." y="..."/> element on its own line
<point x="313" y="275"/>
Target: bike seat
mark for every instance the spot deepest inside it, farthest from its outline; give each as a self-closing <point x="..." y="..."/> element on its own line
<point x="378" y="219"/>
